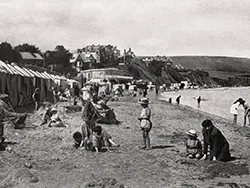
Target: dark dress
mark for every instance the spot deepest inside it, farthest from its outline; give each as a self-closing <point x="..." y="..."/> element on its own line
<point x="219" y="146"/>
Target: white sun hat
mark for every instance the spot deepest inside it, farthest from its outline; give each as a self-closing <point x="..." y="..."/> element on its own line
<point x="192" y="132"/>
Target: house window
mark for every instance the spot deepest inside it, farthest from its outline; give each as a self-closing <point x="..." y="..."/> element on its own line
<point x="79" y="64"/>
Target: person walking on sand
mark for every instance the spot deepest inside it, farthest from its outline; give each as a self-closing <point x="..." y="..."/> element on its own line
<point x="199" y="101"/>
<point x="219" y="146"/>
<point x="178" y="99"/>
<point x="170" y="100"/>
<point x="156" y="90"/>
<point x="36" y="98"/>
<point x="246" y="112"/>
<point x="145" y="122"/>
<point x="234" y="110"/>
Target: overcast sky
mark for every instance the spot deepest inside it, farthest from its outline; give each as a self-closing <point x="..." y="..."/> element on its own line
<point x="149" y="27"/>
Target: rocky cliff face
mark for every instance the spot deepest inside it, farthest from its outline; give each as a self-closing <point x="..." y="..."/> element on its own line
<point x="160" y="73"/>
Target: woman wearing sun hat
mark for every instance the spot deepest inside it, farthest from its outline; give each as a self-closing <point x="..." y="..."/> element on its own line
<point x="145" y="122"/>
<point x="193" y="145"/>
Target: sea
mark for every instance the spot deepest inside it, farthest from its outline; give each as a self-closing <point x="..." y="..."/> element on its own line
<point x="215" y="101"/>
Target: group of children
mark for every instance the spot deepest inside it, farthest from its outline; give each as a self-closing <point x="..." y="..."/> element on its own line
<point x="94" y="137"/>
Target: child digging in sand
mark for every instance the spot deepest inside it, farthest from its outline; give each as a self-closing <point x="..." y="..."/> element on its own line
<point x="145" y="122"/>
<point x="98" y="139"/>
<point x="193" y="145"/>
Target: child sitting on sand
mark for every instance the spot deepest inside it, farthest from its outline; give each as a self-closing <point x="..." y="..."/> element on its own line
<point x="99" y="139"/>
<point x="145" y="122"/>
<point x="193" y="145"/>
<point x="77" y="136"/>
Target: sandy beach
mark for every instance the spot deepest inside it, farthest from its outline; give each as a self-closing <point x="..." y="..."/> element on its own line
<point x="54" y="162"/>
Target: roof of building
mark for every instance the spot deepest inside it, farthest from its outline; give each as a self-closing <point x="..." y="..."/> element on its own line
<point x="85" y="57"/>
<point x="28" y="55"/>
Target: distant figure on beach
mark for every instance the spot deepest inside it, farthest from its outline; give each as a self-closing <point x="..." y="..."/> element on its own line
<point x="178" y="99"/>
<point x="156" y="90"/>
<point x="170" y="100"/>
<point x="145" y="92"/>
<point x="246" y="112"/>
<point x="199" y="101"/>
<point x="219" y="146"/>
<point x="193" y="145"/>
<point x="145" y="122"/>
<point x="234" y="110"/>
<point x="55" y="96"/>
<point x="36" y="98"/>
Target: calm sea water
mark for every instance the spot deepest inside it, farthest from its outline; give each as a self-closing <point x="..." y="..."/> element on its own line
<point x="215" y="101"/>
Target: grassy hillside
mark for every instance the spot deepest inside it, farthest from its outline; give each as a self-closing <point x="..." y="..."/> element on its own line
<point x="159" y="73"/>
<point x="220" y="67"/>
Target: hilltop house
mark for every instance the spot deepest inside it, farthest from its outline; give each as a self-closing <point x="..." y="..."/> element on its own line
<point x="110" y="74"/>
<point x="165" y="59"/>
<point x="84" y="60"/>
<point x="31" y="58"/>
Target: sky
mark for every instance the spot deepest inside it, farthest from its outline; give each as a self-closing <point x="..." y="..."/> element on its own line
<point x="149" y="27"/>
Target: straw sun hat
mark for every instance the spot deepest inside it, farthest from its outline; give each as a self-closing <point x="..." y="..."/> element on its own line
<point x="192" y="133"/>
<point x="144" y="101"/>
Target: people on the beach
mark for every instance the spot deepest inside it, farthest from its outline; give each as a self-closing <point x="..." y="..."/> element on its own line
<point x="55" y="96"/>
<point x="156" y="90"/>
<point x="55" y="120"/>
<point x="199" y="101"/>
<point x="89" y="116"/>
<point x="36" y="98"/>
<point x="77" y="136"/>
<point x="17" y="119"/>
<point x="98" y="139"/>
<point x="246" y="111"/>
<point x="219" y="146"/>
<point x="145" y="91"/>
<point x="193" y="145"/>
<point x="178" y="99"/>
<point x="145" y="122"/>
<point x="234" y="110"/>
<point x="170" y="100"/>
<point x="1" y="127"/>
<point x="47" y="115"/>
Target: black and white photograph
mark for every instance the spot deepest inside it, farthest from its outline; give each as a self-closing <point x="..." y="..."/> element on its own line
<point x="124" y="94"/>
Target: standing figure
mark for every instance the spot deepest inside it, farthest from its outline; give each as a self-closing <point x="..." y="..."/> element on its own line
<point x="156" y="90"/>
<point x="178" y="99"/>
<point x="1" y="127"/>
<point x="145" y="92"/>
<point x="145" y="122"/>
<point x="55" y="97"/>
<point x="234" y="110"/>
<point x="199" y="101"/>
<point x="17" y="119"/>
<point x="170" y="100"/>
<point x="246" y="112"/>
<point x="36" y="98"/>
<point x="219" y="146"/>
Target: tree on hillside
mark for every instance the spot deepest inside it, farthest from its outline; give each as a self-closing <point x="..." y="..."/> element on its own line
<point x="8" y="54"/>
<point x="109" y="55"/>
<point x="27" y="48"/>
<point x="59" y="59"/>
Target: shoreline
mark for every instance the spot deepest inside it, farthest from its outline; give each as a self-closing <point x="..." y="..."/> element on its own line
<point x="202" y="113"/>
